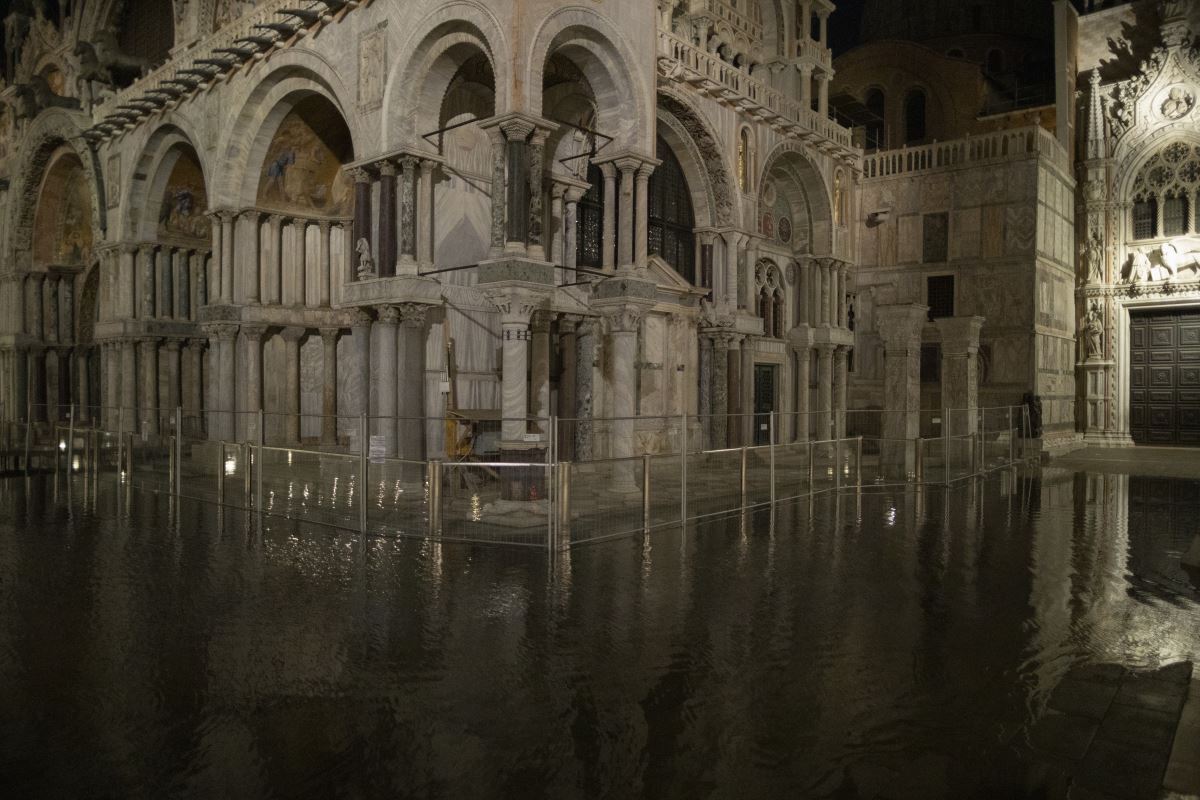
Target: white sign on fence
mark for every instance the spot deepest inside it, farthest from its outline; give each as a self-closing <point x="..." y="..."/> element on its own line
<point x="378" y="450"/>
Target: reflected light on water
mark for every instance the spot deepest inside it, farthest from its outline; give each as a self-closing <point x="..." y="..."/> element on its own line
<point x="890" y="516"/>
<point x="230" y="465"/>
<point x="476" y="508"/>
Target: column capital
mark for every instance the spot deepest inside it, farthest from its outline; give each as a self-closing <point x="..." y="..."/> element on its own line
<point x="197" y="344"/>
<point x="388" y="315"/>
<point x="147" y="247"/>
<point x="174" y="345"/>
<point x="408" y="163"/>
<point x="254" y="332"/>
<point x="516" y="305"/>
<point x="623" y="317"/>
<point x="387" y="169"/>
<point x="960" y="335"/>
<point x="359" y="318"/>
<point x="329" y="334"/>
<point x="900" y="325"/>
<point x="130" y="248"/>
<point x="255" y="215"/>
<point x="148" y="340"/>
<point x="359" y="174"/>
<point x="324" y="225"/>
<point x="412" y="315"/>
<point x="293" y="334"/>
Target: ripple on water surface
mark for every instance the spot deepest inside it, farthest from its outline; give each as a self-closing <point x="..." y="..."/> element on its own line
<point x="890" y="643"/>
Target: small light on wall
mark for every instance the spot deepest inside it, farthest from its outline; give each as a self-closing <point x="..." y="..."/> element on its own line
<point x="62" y="446"/>
<point x="230" y="465"/>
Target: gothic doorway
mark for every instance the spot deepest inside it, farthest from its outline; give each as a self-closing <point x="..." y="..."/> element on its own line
<point x="1164" y="376"/>
<point x="764" y="401"/>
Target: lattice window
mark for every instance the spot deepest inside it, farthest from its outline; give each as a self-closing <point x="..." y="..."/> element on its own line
<point x="940" y="296"/>
<point x="671" y="220"/>
<point x="1145" y="213"/>
<point x="589" y="224"/>
<point x="1175" y="216"/>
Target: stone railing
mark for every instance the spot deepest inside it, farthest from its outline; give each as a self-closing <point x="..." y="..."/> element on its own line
<point x="1002" y="146"/>
<point x="709" y="73"/>
<point x="814" y="51"/>
<point x="267" y="11"/>
<point x="743" y="24"/>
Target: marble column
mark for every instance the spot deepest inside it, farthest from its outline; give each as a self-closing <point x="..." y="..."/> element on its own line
<point x="274" y="268"/>
<point x="385" y="364"/>
<point x="127" y="281"/>
<point x="608" y="260"/>
<point x="148" y="361"/>
<point x="129" y="384"/>
<point x="641" y="226"/>
<point x="803" y="392"/>
<point x="737" y="425"/>
<point x="411" y="390"/>
<point x="63" y="381"/>
<point x="585" y="358"/>
<point x="22" y="383"/>
<point x="329" y="394"/>
<point x="326" y="260"/>
<point x="539" y="374"/>
<point x="215" y="230"/>
<point x="825" y="391"/>
<point x="300" y="267"/>
<point x="292" y="336"/>
<point x="823" y="93"/>
<point x="499" y="190"/>
<point x="361" y="328"/>
<point x="50" y="314"/>
<point x="826" y="292"/>
<point x="194" y="399"/>
<point x="425" y="257"/>
<point x="960" y="373"/>
<point x="733" y="243"/>
<point x="84" y="389"/>
<point x="557" y="228"/>
<point x="537" y="221"/>
<point x="720" y="390"/>
<point x="803" y="303"/>
<point x="164" y="276"/>
<point x="174" y="397"/>
<point x="514" y="385"/>
<point x="571" y="233"/>
<point x="834" y="296"/>
<point x="252" y="336"/>
<point x="625" y="234"/>
<point x="200" y="267"/>
<point x="146" y="264"/>
<point x="567" y="379"/>
<point x="227" y="229"/>
<point x="37" y="382"/>
<point x="386" y="263"/>
<point x="840" y="381"/>
<point x="408" y="217"/>
<point x="518" y="196"/>
<point x="806" y="72"/>
<point x="623" y="322"/>
<point x="183" y="285"/>
<point x="843" y="305"/>
<point x="226" y="381"/>
<point x="899" y="327"/>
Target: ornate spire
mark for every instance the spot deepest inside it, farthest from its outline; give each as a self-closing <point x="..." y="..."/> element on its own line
<point x="1095" y="129"/>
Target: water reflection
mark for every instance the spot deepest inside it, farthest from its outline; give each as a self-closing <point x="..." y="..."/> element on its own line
<point x="842" y="647"/>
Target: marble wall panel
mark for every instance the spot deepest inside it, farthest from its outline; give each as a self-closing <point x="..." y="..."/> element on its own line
<point x="910" y="239"/>
<point x="992" y="239"/>
<point x="462" y="223"/>
<point x="1019" y="230"/>
<point x="935" y="194"/>
<point x="965" y="233"/>
<point x="312" y="383"/>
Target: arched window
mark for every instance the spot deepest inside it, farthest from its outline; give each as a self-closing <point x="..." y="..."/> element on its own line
<point x="995" y="62"/>
<point x="877" y="106"/>
<point x="914" y="116"/>
<point x="589" y="222"/>
<point x="671" y="233"/>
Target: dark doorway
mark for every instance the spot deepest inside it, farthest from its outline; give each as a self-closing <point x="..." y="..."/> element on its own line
<point x="764" y="401"/>
<point x="1164" y="377"/>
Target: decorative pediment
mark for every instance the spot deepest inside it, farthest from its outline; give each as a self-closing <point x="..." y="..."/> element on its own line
<point x="1164" y="92"/>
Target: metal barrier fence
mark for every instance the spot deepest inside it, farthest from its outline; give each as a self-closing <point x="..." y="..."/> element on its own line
<point x="535" y="498"/>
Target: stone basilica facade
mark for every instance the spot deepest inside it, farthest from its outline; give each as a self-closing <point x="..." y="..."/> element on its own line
<point x="623" y="211"/>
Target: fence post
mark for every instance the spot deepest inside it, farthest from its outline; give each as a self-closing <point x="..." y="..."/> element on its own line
<point x="120" y="441"/>
<point x="837" y="464"/>
<point x="362" y="471"/>
<point x="564" y="504"/>
<point x="683" y="450"/>
<point x="812" y="454"/>
<point x="551" y="458"/>
<point x="220" y="472"/>
<point x="70" y="440"/>
<point x="178" y="475"/>
<point x="858" y="463"/>
<point x="435" y="497"/>
<point x="742" y="478"/>
<point x="28" y="429"/>
<point x="645" y="492"/>
<point x="1012" y="439"/>
<point x="771" y="434"/>
<point x="920" y="459"/>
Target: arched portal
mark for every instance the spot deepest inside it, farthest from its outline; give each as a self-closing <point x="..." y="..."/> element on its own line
<point x="63" y="241"/>
<point x="672" y="222"/>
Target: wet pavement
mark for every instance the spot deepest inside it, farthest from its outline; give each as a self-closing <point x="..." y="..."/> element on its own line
<point x="996" y="639"/>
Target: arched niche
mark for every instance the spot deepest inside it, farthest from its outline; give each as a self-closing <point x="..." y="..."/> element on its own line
<point x="168" y="195"/>
<point x="791" y="185"/>
<point x="303" y="144"/>
<point x="62" y="233"/>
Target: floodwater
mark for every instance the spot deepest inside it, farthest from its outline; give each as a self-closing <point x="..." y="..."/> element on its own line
<point x="895" y="645"/>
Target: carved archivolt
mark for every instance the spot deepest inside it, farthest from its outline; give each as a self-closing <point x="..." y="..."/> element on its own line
<point x="719" y="179"/>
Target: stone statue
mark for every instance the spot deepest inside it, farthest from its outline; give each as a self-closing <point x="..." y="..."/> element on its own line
<point x="36" y="95"/>
<point x="1176" y="261"/>
<point x="1094" y="255"/>
<point x="1093" y="331"/>
<point x="1139" y="266"/>
<point x="17" y="24"/>
<point x="1177" y="104"/>
<point x="366" y="263"/>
